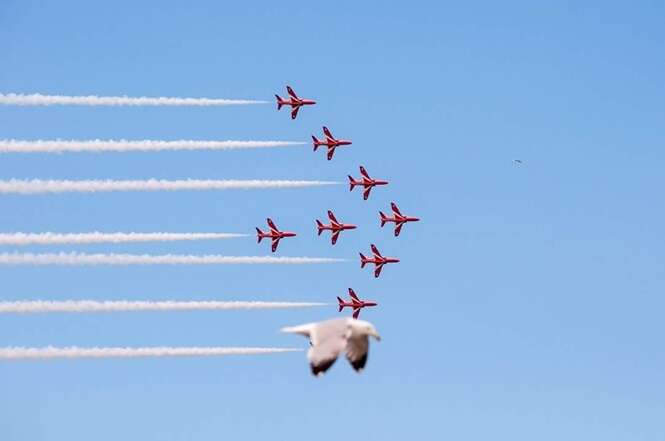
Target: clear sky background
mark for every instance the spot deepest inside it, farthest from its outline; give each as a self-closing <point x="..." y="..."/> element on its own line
<point x="528" y="303"/>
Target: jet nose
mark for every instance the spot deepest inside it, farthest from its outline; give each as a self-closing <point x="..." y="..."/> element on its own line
<point x="352" y="227"/>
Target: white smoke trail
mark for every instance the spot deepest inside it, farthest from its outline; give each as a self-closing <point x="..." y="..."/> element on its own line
<point x="36" y="186"/>
<point x="97" y="237"/>
<point x="121" y="145"/>
<point x="50" y="352"/>
<point x="38" y="306"/>
<point x="72" y="259"/>
<point x="37" y="99"/>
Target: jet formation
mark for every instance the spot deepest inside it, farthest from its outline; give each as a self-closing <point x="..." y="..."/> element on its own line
<point x="341" y="332"/>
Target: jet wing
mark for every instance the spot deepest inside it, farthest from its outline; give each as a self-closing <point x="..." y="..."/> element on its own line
<point x="356" y="312"/>
<point x="335" y="235"/>
<point x="398" y="228"/>
<point x="396" y="211"/>
<point x="292" y="94"/>
<point x="275" y="243"/>
<point x="353" y="295"/>
<point x="377" y="270"/>
<point x="366" y="192"/>
<point x="328" y="134"/>
<point x="272" y="225"/>
<point x="331" y="152"/>
<point x="375" y="251"/>
<point x="332" y="217"/>
<point x="364" y="172"/>
<point x="294" y="112"/>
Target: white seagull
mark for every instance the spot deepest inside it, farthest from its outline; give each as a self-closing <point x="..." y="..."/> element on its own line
<point x="330" y="338"/>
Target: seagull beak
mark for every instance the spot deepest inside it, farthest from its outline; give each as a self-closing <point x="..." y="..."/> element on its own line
<point x="376" y="336"/>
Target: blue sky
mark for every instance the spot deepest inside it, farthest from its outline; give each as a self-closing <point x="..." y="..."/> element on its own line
<point x="528" y="303"/>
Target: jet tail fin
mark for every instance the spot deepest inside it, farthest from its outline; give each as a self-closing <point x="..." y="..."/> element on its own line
<point x="319" y="227"/>
<point x="259" y="235"/>
<point x="341" y="304"/>
<point x="384" y="218"/>
<point x="352" y="183"/>
<point x="280" y="102"/>
<point x="315" y="142"/>
<point x="363" y="260"/>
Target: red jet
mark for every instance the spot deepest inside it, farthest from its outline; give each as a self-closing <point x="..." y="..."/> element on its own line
<point x="274" y="234"/>
<point x="398" y="218"/>
<point x="367" y="182"/>
<point x="293" y="101"/>
<point x="355" y="303"/>
<point x="330" y="142"/>
<point x="378" y="260"/>
<point x="335" y="226"/>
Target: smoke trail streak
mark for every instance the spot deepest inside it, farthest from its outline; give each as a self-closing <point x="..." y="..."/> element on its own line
<point x="97" y="237"/>
<point x="41" y="306"/>
<point x="36" y="186"/>
<point x="122" y="145"/>
<point x="37" y="99"/>
<point x="50" y="352"/>
<point x="73" y="259"/>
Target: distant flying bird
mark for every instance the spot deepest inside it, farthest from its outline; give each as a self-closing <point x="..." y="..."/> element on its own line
<point x="328" y="339"/>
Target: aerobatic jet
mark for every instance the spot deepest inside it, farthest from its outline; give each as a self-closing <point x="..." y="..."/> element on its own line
<point x="355" y="303"/>
<point x="365" y="181"/>
<point x="274" y="234"/>
<point x="293" y="101"/>
<point x="335" y="226"/>
<point x="398" y="218"/>
<point x="378" y="260"/>
<point x="329" y="142"/>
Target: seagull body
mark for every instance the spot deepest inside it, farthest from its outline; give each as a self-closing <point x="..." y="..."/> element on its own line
<point x="328" y="339"/>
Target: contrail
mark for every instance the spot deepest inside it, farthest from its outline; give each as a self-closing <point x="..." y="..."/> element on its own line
<point x="97" y="237"/>
<point x="50" y="352"/>
<point x="40" y="306"/>
<point x="36" y="186"/>
<point x="122" y="145"/>
<point x="73" y="259"/>
<point x="37" y="99"/>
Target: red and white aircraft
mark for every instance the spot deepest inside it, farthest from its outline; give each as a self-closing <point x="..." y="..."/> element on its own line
<point x="367" y="182"/>
<point x="335" y="226"/>
<point x="330" y="142"/>
<point x="398" y="218"/>
<point x="293" y="101"/>
<point x="274" y="234"/>
<point x="355" y="303"/>
<point x="378" y="260"/>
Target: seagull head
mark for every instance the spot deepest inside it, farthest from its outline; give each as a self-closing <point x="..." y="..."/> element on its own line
<point x="362" y="327"/>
